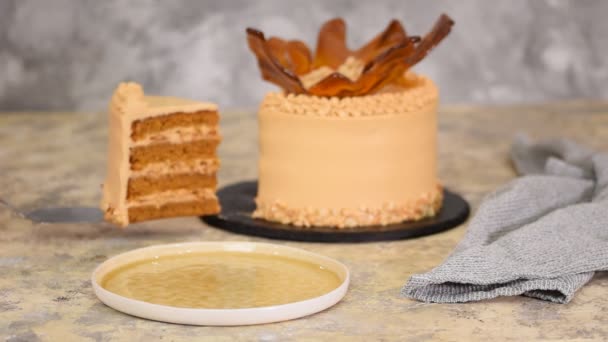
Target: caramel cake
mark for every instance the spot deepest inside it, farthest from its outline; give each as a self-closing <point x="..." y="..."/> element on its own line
<point x="162" y="158"/>
<point x="351" y="139"/>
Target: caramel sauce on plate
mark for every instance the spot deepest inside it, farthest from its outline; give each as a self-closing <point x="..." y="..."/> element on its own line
<point x="221" y="280"/>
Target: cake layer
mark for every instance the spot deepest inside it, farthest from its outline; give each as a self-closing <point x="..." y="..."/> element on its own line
<point x="141" y="186"/>
<point x="149" y="126"/>
<point x="173" y="209"/>
<point x="143" y="155"/>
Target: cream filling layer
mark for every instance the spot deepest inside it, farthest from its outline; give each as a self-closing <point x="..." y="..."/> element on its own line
<point x="204" y="166"/>
<point x="157" y="199"/>
<point x="179" y="135"/>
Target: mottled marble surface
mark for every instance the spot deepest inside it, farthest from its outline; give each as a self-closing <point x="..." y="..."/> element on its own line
<point x="50" y="160"/>
<point x="499" y="51"/>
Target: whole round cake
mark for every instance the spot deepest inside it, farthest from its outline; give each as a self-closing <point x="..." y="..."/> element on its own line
<point x="351" y="141"/>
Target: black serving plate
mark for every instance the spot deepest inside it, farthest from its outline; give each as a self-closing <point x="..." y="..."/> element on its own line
<point x="237" y="202"/>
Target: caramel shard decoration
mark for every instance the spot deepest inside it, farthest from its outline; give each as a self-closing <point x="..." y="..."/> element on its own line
<point x="337" y="71"/>
<point x="331" y="44"/>
<point x="270" y="65"/>
<point x="440" y="30"/>
<point x="300" y="56"/>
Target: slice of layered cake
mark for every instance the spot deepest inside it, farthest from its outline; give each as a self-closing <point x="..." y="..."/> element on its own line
<point x="162" y="159"/>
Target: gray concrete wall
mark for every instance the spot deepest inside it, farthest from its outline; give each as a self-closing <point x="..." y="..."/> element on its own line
<point x="70" y="54"/>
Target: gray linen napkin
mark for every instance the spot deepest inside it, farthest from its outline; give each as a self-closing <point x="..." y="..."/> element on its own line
<point x="542" y="235"/>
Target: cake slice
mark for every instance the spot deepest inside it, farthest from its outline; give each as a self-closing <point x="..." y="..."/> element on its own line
<point x="162" y="159"/>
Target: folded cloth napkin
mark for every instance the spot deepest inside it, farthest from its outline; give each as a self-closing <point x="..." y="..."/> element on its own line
<point x="542" y="235"/>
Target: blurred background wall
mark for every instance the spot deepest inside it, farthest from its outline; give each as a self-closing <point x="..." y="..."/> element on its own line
<point x="70" y="54"/>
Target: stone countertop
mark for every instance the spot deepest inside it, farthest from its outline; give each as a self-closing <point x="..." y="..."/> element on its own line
<point x="51" y="160"/>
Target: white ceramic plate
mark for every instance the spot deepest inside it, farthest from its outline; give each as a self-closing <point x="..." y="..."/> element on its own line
<point x="220" y="317"/>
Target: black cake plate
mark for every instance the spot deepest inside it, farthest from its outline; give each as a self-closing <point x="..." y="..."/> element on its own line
<point x="237" y="202"/>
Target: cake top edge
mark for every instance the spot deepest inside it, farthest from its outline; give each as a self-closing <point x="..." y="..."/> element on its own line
<point x="130" y="100"/>
<point x="412" y="93"/>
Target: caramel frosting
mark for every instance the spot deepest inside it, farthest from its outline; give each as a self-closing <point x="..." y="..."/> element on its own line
<point x="181" y="195"/>
<point x="413" y="94"/>
<point x="352" y="68"/>
<point x="129" y="100"/>
<point x="315" y="76"/>
<point x="128" y="104"/>
<point x="353" y="161"/>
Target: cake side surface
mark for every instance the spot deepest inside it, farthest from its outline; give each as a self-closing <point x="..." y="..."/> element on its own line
<point x="160" y="148"/>
<point x="128" y="98"/>
<point x="368" y="160"/>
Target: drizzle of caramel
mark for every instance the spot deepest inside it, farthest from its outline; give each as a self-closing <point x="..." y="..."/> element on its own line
<point x="386" y="58"/>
